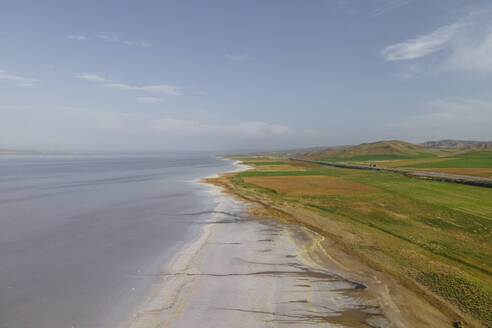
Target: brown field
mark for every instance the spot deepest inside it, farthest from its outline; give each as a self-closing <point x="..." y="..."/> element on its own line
<point x="310" y="185"/>
<point x="478" y="172"/>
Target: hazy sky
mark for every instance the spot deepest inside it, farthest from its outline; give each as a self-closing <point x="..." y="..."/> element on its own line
<point x="148" y="75"/>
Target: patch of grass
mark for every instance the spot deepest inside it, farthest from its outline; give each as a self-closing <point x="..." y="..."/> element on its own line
<point x="238" y="181"/>
<point x="374" y="157"/>
<point x="467" y="294"/>
<point x="479" y="159"/>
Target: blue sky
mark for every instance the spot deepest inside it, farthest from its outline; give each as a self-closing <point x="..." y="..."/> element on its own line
<point x="213" y="75"/>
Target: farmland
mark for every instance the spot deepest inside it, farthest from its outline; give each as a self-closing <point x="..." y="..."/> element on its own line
<point x="434" y="234"/>
<point x="472" y="160"/>
<point x="481" y="159"/>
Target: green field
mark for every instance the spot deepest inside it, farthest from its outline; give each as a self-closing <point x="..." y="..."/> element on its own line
<point x="481" y="159"/>
<point x="437" y="233"/>
<point x="374" y="157"/>
<point x="472" y="159"/>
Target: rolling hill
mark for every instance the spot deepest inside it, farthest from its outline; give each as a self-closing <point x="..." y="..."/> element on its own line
<point x="381" y="150"/>
<point x="462" y="144"/>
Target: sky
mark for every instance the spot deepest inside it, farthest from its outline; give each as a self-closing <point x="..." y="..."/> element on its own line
<point x="242" y="74"/>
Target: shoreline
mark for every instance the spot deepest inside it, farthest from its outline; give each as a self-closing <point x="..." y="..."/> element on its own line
<point x="173" y="302"/>
<point x="179" y="262"/>
<point x="316" y="258"/>
<point x="402" y="287"/>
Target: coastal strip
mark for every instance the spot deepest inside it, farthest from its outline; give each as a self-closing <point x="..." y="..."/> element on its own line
<point x="253" y="271"/>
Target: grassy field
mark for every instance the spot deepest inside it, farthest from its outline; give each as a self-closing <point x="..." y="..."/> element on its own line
<point x="474" y="160"/>
<point x="436" y="233"/>
<point x="309" y="185"/>
<point x="374" y="157"/>
<point x="472" y="163"/>
<point x="477" y="163"/>
<point x="482" y="159"/>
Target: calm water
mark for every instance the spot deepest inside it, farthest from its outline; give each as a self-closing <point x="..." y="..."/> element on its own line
<point x="82" y="237"/>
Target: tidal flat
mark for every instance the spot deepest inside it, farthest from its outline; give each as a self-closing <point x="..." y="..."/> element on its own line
<point x="247" y="270"/>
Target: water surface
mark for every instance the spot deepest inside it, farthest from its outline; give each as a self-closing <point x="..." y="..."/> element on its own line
<point x="82" y="237"/>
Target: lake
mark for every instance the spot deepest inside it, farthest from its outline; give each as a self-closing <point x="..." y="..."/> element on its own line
<point x="83" y="237"/>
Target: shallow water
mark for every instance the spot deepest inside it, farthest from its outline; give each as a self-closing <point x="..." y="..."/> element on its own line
<point x="83" y="237"/>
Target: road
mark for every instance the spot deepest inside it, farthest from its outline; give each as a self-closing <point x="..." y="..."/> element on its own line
<point x="455" y="178"/>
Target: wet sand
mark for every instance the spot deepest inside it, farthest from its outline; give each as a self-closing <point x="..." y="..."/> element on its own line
<point x="246" y="272"/>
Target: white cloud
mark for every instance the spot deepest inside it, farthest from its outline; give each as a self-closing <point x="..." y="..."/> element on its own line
<point x="385" y="6"/>
<point x="468" y="45"/>
<point x="149" y="100"/>
<point x="471" y="54"/>
<point x="449" y="118"/>
<point x="164" y="89"/>
<point x="78" y="37"/>
<point x="91" y="77"/>
<point x="16" y="80"/>
<point x="257" y="129"/>
<point x="139" y="44"/>
<point x="373" y="8"/>
<point x="159" y="89"/>
<point x="472" y="110"/>
<point x="237" y="57"/>
<point x="112" y="38"/>
<point x="108" y="37"/>
<point x="120" y="86"/>
<point x="89" y="129"/>
<point x="422" y="45"/>
<point x="248" y="130"/>
<point x="410" y="71"/>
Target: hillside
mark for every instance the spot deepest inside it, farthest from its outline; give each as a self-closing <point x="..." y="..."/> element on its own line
<point x="391" y="149"/>
<point x="462" y="144"/>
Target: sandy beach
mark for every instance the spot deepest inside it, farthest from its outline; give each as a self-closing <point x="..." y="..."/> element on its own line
<point x="246" y="272"/>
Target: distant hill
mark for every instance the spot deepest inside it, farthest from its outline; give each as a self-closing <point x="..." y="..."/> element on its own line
<point x="462" y="144"/>
<point x="385" y="150"/>
<point x="388" y="149"/>
<point x="18" y="152"/>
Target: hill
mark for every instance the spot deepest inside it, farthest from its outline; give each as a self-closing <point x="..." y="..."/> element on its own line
<point x="462" y="144"/>
<point x="381" y="150"/>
